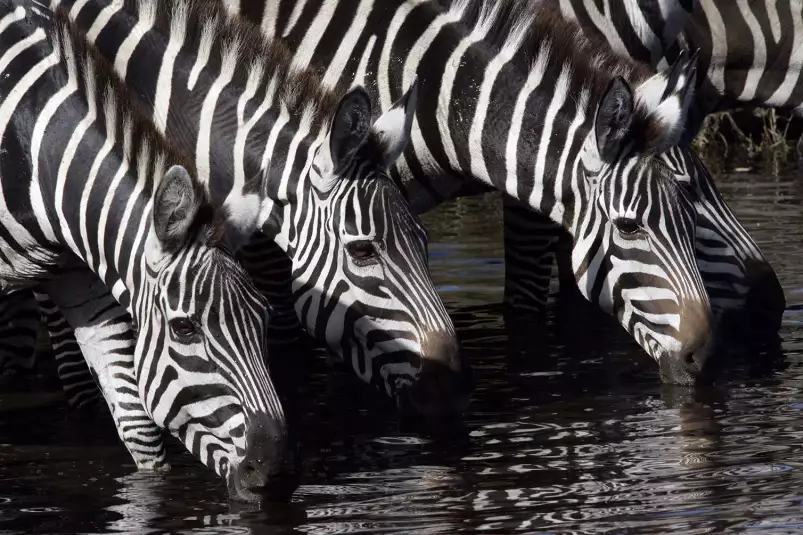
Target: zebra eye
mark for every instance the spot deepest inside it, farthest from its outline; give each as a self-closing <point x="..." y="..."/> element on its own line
<point x="182" y="327"/>
<point x="361" y="250"/>
<point x="627" y="226"/>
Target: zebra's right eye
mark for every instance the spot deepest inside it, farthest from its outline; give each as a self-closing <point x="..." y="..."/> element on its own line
<point x="361" y="250"/>
<point x="182" y="327"/>
<point x="627" y="226"/>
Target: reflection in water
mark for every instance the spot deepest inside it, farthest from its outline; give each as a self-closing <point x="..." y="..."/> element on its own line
<point x="569" y="431"/>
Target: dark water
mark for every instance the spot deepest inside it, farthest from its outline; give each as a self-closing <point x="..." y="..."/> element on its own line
<point x="577" y="437"/>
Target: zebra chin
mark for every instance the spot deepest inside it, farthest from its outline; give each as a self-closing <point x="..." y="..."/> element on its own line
<point x="434" y="381"/>
<point x="683" y="358"/>
<point x="758" y="311"/>
<point x="268" y="469"/>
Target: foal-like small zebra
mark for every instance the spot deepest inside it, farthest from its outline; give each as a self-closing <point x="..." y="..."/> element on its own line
<point x="92" y="198"/>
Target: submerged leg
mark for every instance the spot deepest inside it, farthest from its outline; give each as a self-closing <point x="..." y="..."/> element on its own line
<point x="530" y="239"/>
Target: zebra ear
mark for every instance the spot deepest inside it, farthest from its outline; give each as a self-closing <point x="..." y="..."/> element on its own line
<point x="392" y="129"/>
<point x="350" y="125"/>
<point x="175" y="205"/>
<point x="613" y="118"/>
<point x="349" y="128"/>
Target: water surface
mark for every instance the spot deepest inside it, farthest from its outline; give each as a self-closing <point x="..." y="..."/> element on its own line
<point x="575" y="435"/>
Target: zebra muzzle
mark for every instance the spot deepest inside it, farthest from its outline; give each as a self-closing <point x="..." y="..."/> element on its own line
<point x="267" y="472"/>
<point x="687" y="364"/>
<point x="442" y="389"/>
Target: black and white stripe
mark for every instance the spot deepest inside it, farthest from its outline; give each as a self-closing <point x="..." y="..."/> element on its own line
<point x="93" y="199"/>
<point x="509" y="98"/>
<point x="359" y="255"/>
<point x="640" y="29"/>
<point x="750" y="53"/>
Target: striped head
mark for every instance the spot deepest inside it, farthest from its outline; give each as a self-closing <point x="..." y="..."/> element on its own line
<point x="742" y="285"/>
<point x="201" y="347"/>
<point x="362" y="284"/>
<point x="635" y="238"/>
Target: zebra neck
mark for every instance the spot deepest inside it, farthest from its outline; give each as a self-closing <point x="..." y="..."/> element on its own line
<point x="486" y="110"/>
<point x="238" y="111"/>
<point x="92" y="164"/>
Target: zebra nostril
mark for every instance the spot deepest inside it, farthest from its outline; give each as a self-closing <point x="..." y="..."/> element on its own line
<point x="689" y="364"/>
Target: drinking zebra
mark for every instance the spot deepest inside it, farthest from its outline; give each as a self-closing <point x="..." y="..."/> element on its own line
<point x="742" y="285"/>
<point x="93" y="198"/>
<point x="360" y="277"/>
<point x="568" y="137"/>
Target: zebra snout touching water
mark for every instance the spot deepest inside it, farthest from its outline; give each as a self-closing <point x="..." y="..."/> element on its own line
<point x="258" y="475"/>
<point x="111" y="221"/>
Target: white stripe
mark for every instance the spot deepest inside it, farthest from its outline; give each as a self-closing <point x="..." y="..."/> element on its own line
<point x="164" y="84"/>
<point x="102" y="19"/>
<point x="347" y="43"/>
<point x="759" y="53"/>
<point x="7" y="108"/>
<point x="127" y="47"/>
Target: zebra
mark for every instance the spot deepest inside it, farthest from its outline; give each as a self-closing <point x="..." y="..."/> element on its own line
<point x="360" y="278"/>
<point x="505" y="113"/>
<point x="741" y="283"/>
<point x="95" y="202"/>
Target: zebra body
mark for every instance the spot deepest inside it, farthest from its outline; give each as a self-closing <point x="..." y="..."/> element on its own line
<point x="751" y="54"/>
<point x="643" y="30"/>
<point x="360" y="277"/>
<point x="72" y="153"/>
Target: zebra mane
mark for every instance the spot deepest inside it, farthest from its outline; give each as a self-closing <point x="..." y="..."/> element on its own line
<point x="146" y="150"/>
<point x="233" y="42"/>
<point x="527" y="28"/>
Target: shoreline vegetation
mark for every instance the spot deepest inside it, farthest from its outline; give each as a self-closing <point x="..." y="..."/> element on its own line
<point x="751" y="133"/>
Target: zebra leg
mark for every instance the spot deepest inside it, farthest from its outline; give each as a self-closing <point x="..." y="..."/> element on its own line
<point x="19" y="326"/>
<point x="105" y="335"/>
<point x="530" y="239"/>
<point x="76" y="378"/>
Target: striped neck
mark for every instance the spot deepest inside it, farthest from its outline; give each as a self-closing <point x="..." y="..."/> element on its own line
<point x="274" y="113"/>
<point x="84" y="141"/>
<point x="516" y="102"/>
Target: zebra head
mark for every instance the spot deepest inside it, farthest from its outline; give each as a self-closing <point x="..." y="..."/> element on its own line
<point x="376" y="306"/>
<point x="741" y="283"/>
<point x="635" y="238"/>
<point x="201" y="347"/>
